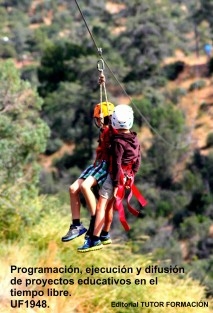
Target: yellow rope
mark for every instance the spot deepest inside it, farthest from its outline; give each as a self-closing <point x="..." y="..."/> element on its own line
<point x="102" y="83"/>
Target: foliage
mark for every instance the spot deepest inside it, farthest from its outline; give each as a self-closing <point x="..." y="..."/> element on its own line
<point x="210" y="66"/>
<point x="144" y="43"/>
<point x="202" y="167"/>
<point x="173" y="70"/>
<point x="200" y="270"/>
<point x="197" y="85"/>
<point x="202" y="13"/>
<point x="57" y="65"/>
<point x="7" y="51"/>
<point x="29" y="73"/>
<point x="192" y="226"/>
<point x="176" y="94"/>
<point x="23" y="138"/>
<point x="209" y="140"/>
<point x="20" y="4"/>
<point x="168" y="124"/>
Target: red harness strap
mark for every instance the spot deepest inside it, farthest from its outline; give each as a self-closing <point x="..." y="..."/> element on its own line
<point x="118" y="206"/>
<point x="127" y="181"/>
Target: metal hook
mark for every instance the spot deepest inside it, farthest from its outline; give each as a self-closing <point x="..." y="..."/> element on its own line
<point x="100" y="65"/>
<point x="100" y="51"/>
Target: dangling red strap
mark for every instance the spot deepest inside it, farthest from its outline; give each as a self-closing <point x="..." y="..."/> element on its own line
<point x="139" y="196"/>
<point x="134" y="191"/>
<point x="130" y="208"/>
<point x="118" y="205"/>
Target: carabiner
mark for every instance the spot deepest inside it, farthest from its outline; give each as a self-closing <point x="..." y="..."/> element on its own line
<point x="100" y="51"/>
<point x="100" y="65"/>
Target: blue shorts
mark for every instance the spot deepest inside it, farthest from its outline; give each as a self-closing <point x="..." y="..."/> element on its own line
<point x="99" y="172"/>
<point x="107" y="188"/>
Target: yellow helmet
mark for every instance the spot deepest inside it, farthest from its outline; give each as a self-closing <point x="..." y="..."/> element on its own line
<point x="103" y="109"/>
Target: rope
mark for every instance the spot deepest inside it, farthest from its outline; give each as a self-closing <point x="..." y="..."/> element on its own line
<point x="99" y="50"/>
<point x="102" y="84"/>
<point x="102" y="81"/>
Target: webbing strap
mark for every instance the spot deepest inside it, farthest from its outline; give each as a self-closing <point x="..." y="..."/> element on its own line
<point x="118" y="205"/>
<point x="139" y="196"/>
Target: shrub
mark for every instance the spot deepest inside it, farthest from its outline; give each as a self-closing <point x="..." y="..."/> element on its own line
<point x="7" y="51"/>
<point x="210" y="66"/>
<point x="194" y="226"/>
<point x="204" y="107"/>
<point x="209" y="140"/>
<point x="30" y="73"/>
<point x="177" y="94"/>
<point x="164" y="208"/>
<point x="171" y="71"/>
<point x="199" y="84"/>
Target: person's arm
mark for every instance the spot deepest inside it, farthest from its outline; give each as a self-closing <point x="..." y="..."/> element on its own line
<point x="137" y="163"/>
<point x="117" y="152"/>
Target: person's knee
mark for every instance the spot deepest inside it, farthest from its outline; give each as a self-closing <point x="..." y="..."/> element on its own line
<point x="85" y="186"/>
<point x="73" y="190"/>
<point x="88" y="183"/>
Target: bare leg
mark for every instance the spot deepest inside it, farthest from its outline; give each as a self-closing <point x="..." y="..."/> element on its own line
<point x="88" y="194"/>
<point x="90" y="201"/>
<point x="100" y="215"/>
<point x="75" y="204"/>
<point x="108" y="216"/>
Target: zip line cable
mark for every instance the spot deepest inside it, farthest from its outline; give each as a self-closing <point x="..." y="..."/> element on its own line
<point x="85" y="22"/>
<point x="99" y="50"/>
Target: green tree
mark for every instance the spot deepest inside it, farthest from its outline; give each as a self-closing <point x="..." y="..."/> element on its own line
<point x="21" y="4"/>
<point x="167" y="126"/>
<point x="68" y="113"/>
<point x="23" y="136"/>
<point x="69" y="83"/>
<point x="149" y="37"/>
<point x="58" y="65"/>
<point x="204" y="13"/>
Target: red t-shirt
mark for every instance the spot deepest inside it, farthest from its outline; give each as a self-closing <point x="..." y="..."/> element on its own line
<point x="104" y="143"/>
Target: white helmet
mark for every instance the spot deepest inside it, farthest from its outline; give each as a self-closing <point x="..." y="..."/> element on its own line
<point x="122" y="117"/>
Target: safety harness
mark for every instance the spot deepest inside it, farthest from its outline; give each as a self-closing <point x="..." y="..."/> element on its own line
<point x="127" y="182"/>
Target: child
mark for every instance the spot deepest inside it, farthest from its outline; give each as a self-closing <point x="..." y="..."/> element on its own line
<point x="125" y="153"/>
<point x="95" y="174"/>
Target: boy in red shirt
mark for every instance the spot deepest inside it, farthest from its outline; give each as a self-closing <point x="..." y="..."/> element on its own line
<point x="95" y="174"/>
<point x="125" y="153"/>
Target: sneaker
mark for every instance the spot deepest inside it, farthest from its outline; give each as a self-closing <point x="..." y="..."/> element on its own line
<point x="90" y="245"/>
<point x="73" y="232"/>
<point x="106" y="240"/>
